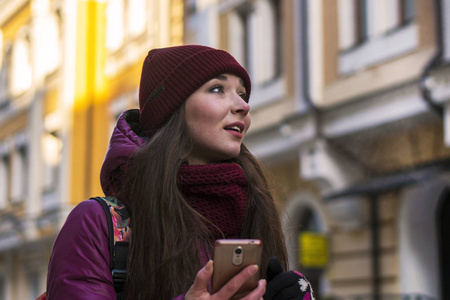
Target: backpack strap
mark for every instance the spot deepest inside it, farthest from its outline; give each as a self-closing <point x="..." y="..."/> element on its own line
<point x="119" y="232"/>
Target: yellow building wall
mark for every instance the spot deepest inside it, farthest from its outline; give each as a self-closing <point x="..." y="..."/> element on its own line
<point x="10" y="30"/>
<point x="89" y="104"/>
<point x="11" y="27"/>
<point x="94" y="92"/>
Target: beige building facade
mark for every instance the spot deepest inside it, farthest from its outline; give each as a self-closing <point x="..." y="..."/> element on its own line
<point x="349" y="108"/>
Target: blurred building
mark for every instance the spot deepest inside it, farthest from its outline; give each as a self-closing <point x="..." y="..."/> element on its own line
<point x="67" y="69"/>
<point x="349" y="107"/>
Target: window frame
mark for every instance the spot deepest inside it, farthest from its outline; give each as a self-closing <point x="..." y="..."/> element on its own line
<point x="376" y="49"/>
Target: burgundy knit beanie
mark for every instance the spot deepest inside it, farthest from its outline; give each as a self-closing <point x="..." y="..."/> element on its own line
<point x="170" y="75"/>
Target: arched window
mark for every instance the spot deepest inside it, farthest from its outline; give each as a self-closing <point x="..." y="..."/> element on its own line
<point x="306" y="233"/>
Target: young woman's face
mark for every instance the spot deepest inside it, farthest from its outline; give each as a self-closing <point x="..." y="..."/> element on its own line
<point x="217" y="116"/>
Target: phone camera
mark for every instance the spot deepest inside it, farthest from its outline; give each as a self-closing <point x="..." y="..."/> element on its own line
<point x="238" y="256"/>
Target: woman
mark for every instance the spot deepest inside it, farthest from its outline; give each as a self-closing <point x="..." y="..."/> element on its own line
<point x="179" y="165"/>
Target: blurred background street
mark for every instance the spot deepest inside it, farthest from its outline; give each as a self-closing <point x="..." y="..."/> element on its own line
<point x="350" y="112"/>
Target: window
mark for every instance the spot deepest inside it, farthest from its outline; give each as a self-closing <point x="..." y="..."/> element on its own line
<point x="1" y="46"/>
<point x="239" y="32"/>
<point x="406" y="11"/>
<point x="49" y="53"/>
<point x="51" y="151"/>
<point x="255" y="34"/>
<point x="391" y="15"/>
<point x="360" y="20"/>
<point x="125" y="19"/>
<point x="114" y="24"/>
<point x="21" y="65"/>
<point x="4" y="180"/>
<point x="352" y="22"/>
<point x="19" y="171"/>
<point x="190" y="6"/>
<point x="5" y="68"/>
<point x="264" y="38"/>
<point x="136" y="18"/>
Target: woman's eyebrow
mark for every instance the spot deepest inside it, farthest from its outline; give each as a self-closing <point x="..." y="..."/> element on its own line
<point x="224" y="77"/>
<point x="221" y="77"/>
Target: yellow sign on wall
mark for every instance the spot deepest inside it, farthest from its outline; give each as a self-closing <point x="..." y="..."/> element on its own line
<point x="313" y="250"/>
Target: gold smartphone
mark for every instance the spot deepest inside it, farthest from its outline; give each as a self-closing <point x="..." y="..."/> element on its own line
<point x="232" y="256"/>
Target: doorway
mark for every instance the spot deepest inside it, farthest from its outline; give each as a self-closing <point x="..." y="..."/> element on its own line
<point x="305" y="214"/>
<point x="443" y="226"/>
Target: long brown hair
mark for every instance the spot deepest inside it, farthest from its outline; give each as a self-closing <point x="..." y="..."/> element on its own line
<point x="167" y="232"/>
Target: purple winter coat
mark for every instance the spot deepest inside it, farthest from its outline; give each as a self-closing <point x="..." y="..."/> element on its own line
<point x="79" y="263"/>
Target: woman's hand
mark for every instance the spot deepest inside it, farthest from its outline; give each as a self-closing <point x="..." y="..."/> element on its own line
<point x="199" y="290"/>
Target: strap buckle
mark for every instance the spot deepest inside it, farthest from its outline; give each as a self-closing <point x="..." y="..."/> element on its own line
<point x="119" y="277"/>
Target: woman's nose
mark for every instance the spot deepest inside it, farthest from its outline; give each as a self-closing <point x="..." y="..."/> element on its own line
<point x="240" y="105"/>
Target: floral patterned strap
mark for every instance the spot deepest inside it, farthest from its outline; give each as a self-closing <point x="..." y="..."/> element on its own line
<point x="120" y="219"/>
<point x="119" y="237"/>
<point x="119" y="229"/>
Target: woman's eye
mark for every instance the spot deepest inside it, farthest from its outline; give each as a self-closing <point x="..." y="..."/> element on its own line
<point x="216" y="89"/>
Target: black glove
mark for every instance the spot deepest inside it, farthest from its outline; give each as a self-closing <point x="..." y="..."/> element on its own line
<point x="286" y="285"/>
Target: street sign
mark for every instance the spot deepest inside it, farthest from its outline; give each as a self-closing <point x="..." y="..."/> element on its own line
<point x="313" y="249"/>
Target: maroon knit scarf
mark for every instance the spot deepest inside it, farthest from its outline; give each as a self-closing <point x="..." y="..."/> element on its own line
<point x="219" y="192"/>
